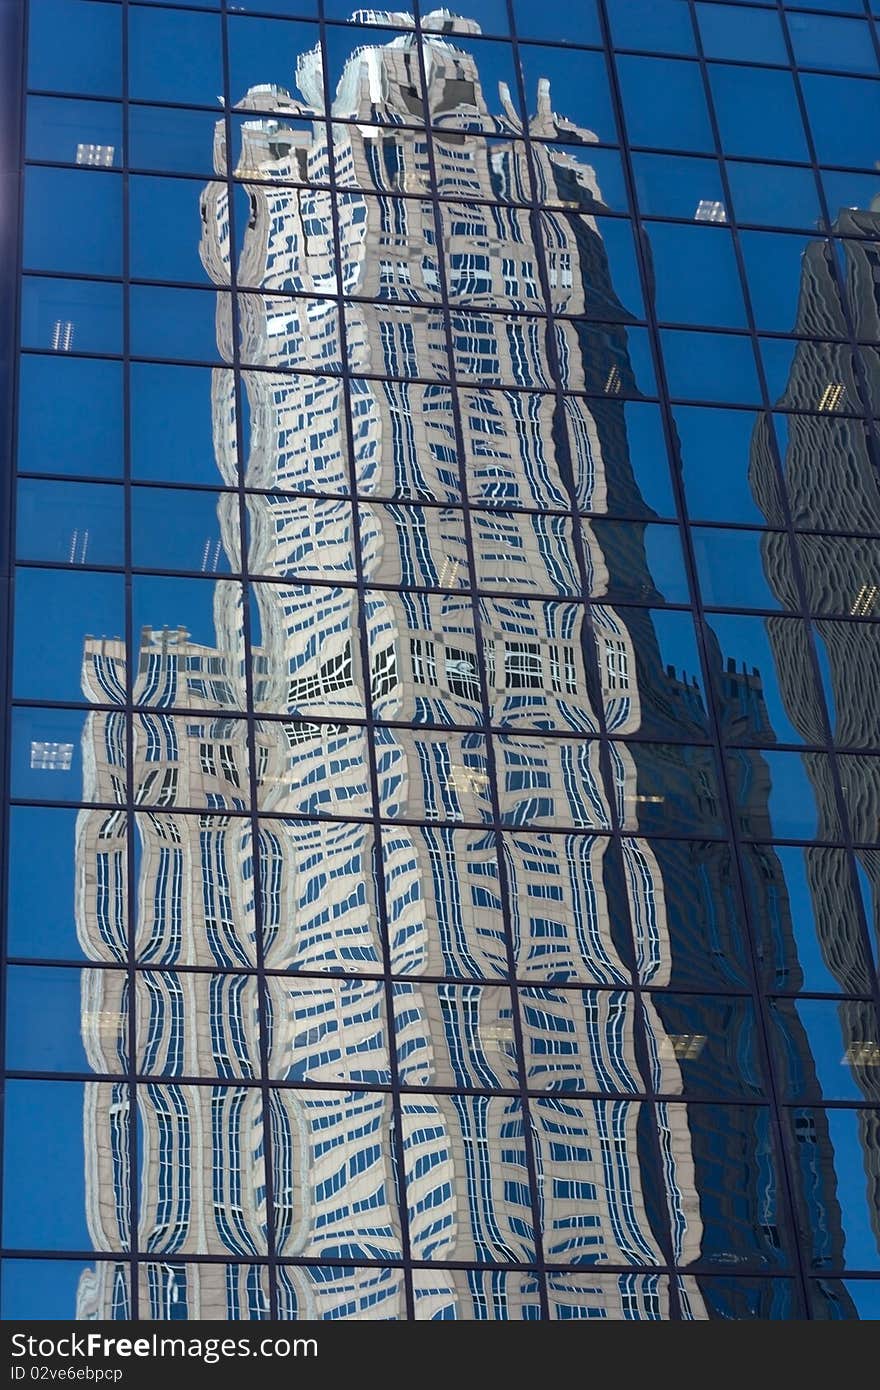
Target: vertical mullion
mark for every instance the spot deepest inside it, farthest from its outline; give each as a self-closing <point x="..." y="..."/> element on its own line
<point x="13" y="60"/>
<point x="130" y="677"/>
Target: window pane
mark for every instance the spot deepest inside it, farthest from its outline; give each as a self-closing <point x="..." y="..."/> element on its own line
<point x="841" y="111"/>
<point x="172" y="426"/>
<point x="75" y="46"/>
<point x="55" y="1152"/>
<point x="174" y="56"/>
<point x="664" y="104"/>
<point x="90" y="207"/>
<point x="735" y="1184"/>
<point x="456" y="1035"/>
<point x="661" y="26"/>
<point x="744" y="33"/>
<point x="697" y="278"/>
<point x="710" y="367"/>
<point x="789" y="796"/>
<point x="74" y="132"/>
<point x="765" y="687"/>
<point x="174" y="140"/>
<point x="475" y="1294"/>
<point x="825" y="1050"/>
<point x="89" y="616"/>
<point x="320" y="1130"/>
<point x="757" y="112"/>
<point x="71" y="315"/>
<point x="832" y="1153"/>
<point x="778" y="197"/>
<point x="704" y="1298"/>
<point x="840" y="44"/>
<point x="70" y="523"/>
<point x="679" y="186"/>
<point x="703" y="1045"/>
<point x="48" y="1028"/>
<point x="449" y="1199"/>
<point x="716" y="450"/>
<point x="54" y="1288"/>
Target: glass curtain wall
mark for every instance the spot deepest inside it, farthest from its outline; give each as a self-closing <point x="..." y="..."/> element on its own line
<point x="445" y="752"/>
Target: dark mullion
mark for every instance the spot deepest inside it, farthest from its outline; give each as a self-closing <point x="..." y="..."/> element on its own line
<point x="589" y="1272"/>
<point x="146" y="968"/>
<point x="130" y="679"/>
<point x="13" y="62"/>
<point x="701" y="837"/>
<point x="588" y="1095"/>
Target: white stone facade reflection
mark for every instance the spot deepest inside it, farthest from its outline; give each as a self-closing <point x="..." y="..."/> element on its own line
<point x="323" y="662"/>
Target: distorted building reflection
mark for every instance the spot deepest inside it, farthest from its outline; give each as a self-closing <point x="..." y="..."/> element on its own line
<point x="423" y="791"/>
<point x="832" y="485"/>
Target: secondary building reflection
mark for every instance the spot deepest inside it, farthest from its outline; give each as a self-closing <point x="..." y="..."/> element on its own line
<point x="832" y="486"/>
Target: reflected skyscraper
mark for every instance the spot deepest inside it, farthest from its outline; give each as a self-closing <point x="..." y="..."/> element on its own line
<point x="329" y="657"/>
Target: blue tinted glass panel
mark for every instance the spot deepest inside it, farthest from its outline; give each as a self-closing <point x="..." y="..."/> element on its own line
<point x="656" y="26"/>
<point x="664" y="105"/>
<point x="840" y="44"/>
<point x="73" y="132"/>
<point x="75" y="46"/>
<point x="71" y="315"/>
<point x="757" y="112"/>
<point x="735" y="31"/>
<point x="90" y="207"/>
<point x="841" y="111"/>
<point x="174" y="55"/>
<point x="75" y="438"/>
<point x="710" y="367"/>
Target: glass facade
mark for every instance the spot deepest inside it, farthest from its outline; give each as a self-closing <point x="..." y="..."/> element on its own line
<point x="444" y="734"/>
